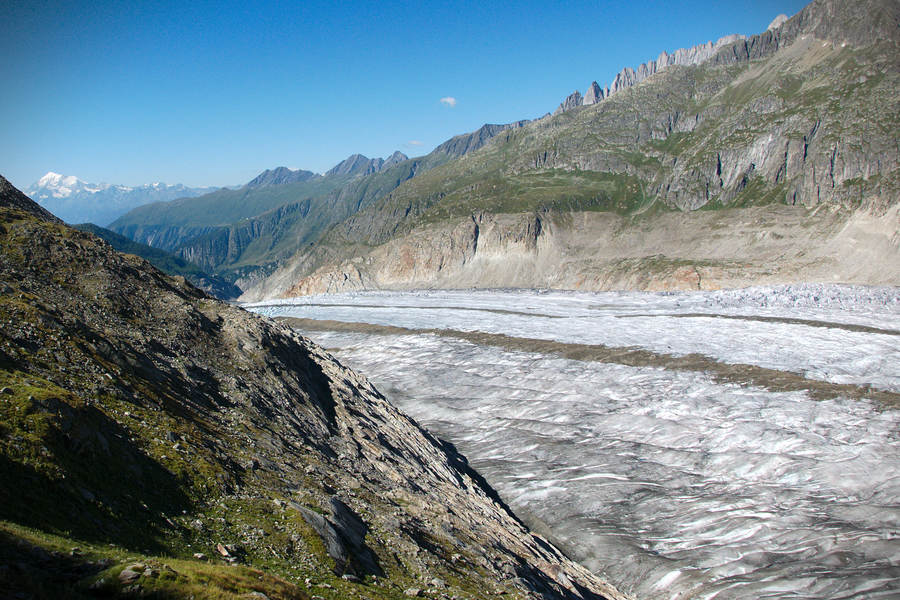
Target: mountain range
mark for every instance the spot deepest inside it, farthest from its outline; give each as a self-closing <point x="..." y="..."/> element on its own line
<point x="753" y="159"/>
<point x="75" y="201"/>
<point x="768" y="159"/>
<point x="245" y="232"/>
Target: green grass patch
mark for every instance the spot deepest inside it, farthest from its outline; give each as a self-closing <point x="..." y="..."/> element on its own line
<point x="543" y="190"/>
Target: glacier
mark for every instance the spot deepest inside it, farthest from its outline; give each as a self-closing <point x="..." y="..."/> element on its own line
<point x="669" y="482"/>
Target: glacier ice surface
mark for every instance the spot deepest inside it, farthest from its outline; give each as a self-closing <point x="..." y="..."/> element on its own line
<point x="671" y="484"/>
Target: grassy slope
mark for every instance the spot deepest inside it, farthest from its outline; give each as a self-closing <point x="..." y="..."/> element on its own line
<point x="165" y="262"/>
<point x="162" y="260"/>
<point x="125" y="433"/>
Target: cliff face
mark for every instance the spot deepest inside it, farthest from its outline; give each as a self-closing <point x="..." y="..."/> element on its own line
<point x="603" y="251"/>
<point x="140" y="412"/>
<point x="226" y="245"/>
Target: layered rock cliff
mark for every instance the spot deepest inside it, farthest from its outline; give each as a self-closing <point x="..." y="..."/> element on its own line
<point x="140" y="412"/>
<point x="603" y="251"/>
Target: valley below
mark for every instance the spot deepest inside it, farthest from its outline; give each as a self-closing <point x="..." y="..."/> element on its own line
<point x="729" y="444"/>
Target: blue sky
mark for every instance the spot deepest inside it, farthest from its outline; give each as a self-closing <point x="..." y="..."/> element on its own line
<point x="212" y="93"/>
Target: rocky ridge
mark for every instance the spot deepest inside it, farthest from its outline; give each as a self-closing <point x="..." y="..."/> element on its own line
<point x="139" y="412"/>
<point x="629" y="77"/>
<point x="463" y="144"/>
<point x="831" y="20"/>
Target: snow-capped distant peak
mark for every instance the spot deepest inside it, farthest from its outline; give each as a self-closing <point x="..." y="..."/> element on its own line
<point x="52" y="179"/>
<point x="60" y="186"/>
<point x="76" y="201"/>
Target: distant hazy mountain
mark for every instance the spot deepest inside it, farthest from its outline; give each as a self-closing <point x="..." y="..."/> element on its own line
<point x="76" y="201"/>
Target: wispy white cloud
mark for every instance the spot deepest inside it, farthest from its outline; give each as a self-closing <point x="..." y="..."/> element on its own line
<point x="449" y="101"/>
<point x="414" y="143"/>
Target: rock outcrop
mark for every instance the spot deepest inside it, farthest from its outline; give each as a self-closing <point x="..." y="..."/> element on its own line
<point x="143" y="413"/>
<point x="777" y="22"/>
<point x="573" y="100"/>
<point x="594" y="94"/>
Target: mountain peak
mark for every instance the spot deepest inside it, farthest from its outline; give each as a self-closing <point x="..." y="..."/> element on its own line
<point x="777" y="22"/>
<point x="54" y="178"/>
<point x="357" y="164"/>
<point x="77" y="201"/>
<point x="280" y="176"/>
<point x="574" y="99"/>
<point x="351" y="165"/>
<point x="464" y="143"/>
<point x="58" y="185"/>
<point x="395" y="158"/>
<point x="594" y="94"/>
